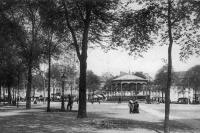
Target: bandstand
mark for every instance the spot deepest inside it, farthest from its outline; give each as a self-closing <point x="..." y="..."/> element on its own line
<point x="128" y="85"/>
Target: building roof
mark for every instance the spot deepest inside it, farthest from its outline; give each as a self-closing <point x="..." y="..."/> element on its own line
<point x="129" y="77"/>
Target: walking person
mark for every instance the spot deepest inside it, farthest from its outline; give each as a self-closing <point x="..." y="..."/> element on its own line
<point x="70" y="103"/>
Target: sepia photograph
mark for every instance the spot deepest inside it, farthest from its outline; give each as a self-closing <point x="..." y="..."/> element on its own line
<point x="99" y="66"/>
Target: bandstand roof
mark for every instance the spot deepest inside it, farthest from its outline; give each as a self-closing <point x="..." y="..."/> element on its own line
<point x="129" y="77"/>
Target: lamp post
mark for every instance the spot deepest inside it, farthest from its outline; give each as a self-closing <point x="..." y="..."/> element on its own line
<point x="63" y="84"/>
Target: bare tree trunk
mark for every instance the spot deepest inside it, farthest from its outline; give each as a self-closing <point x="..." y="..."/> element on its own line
<point x="53" y="91"/>
<point x="0" y="92"/>
<point x="167" y="91"/>
<point x="4" y="98"/>
<point x="18" y="81"/>
<point x="13" y="93"/>
<point x="28" y="91"/>
<point x="9" y="95"/>
<point x="195" y="95"/>
<point x="82" y="90"/>
<point x="44" y="90"/>
<point x="162" y="94"/>
<point x="49" y="79"/>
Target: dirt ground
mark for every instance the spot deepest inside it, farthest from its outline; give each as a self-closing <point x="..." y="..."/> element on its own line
<point x="102" y="118"/>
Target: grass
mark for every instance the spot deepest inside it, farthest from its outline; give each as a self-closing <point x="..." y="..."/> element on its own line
<point x="101" y="118"/>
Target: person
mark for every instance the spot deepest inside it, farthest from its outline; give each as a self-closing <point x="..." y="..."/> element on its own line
<point x="119" y="100"/>
<point x="70" y="103"/>
<point x="136" y="107"/>
<point x="131" y="107"/>
<point x="35" y="101"/>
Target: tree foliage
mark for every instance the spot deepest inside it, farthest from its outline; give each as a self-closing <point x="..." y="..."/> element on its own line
<point x="133" y="30"/>
<point x="192" y="77"/>
<point x="93" y="82"/>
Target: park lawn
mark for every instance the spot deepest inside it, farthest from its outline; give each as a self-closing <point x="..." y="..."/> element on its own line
<point x="101" y="118"/>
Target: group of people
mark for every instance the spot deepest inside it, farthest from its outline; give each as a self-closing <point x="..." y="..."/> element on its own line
<point x="133" y="106"/>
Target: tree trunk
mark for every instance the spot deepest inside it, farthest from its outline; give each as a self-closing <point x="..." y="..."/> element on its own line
<point x="195" y="95"/>
<point x="28" y="91"/>
<point x="9" y="95"/>
<point x="13" y="93"/>
<point x="4" y="98"/>
<point x="44" y="90"/>
<point x="18" y="81"/>
<point x="49" y="79"/>
<point x="53" y="91"/>
<point x="82" y="90"/>
<point x="83" y="65"/>
<point x="0" y="93"/>
<point x="167" y="91"/>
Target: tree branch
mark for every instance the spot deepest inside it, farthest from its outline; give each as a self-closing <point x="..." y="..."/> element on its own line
<point x="72" y="31"/>
<point x="79" y="9"/>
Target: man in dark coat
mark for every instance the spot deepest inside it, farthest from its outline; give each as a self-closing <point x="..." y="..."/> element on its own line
<point x="70" y="103"/>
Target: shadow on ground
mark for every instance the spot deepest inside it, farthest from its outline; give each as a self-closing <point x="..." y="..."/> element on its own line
<point x="66" y="122"/>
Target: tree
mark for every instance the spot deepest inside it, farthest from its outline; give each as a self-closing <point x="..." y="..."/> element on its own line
<point x="11" y="34"/>
<point x="56" y="71"/>
<point x="37" y="82"/>
<point x="32" y="49"/>
<point x="193" y="80"/>
<point x="161" y="78"/>
<point x="168" y="18"/>
<point x="108" y="84"/>
<point x="190" y="46"/>
<point x="86" y="21"/>
<point x="93" y="82"/>
<point x="51" y="27"/>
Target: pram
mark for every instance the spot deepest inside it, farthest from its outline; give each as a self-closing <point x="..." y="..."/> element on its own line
<point x="133" y="106"/>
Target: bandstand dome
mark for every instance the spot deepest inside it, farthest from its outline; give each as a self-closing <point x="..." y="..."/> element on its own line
<point x="130" y="79"/>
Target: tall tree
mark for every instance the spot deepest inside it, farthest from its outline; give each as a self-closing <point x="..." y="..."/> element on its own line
<point x="31" y="49"/>
<point x="170" y="19"/>
<point x="51" y="19"/>
<point x="86" y="21"/>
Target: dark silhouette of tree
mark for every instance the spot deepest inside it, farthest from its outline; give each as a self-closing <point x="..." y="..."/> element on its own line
<point x="161" y="79"/>
<point x="192" y="79"/>
<point x="11" y="34"/>
<point x="93" y="82"/>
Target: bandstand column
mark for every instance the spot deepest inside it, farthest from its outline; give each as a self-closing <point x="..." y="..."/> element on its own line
<point x="121" y="88"/>
<point x="136" y="89"/>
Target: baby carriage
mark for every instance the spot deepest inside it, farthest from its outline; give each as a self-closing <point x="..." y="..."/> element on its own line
<point x="133" y="106"/>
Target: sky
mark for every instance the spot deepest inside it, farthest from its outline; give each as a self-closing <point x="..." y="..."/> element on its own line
<point x="115" y="61"/>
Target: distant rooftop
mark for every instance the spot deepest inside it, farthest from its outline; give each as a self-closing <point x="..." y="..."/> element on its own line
<point x="129" y="77"/>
